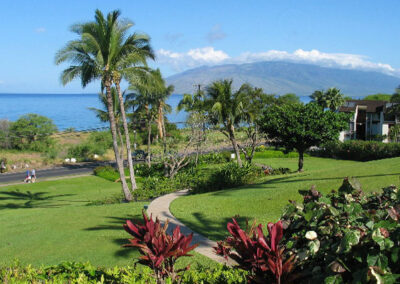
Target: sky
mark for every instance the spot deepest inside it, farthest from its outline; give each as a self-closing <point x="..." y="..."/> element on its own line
<point x="363" y="35"/>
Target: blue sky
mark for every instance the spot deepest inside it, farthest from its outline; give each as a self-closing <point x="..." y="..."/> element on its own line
<point x="348" y="34"/>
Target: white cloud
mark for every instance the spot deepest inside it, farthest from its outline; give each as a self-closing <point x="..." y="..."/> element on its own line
<point x="210" y="56"/>
<point x="215" y="34"/>
<point x="192" y="58"/>
<point x="40" y="30"/>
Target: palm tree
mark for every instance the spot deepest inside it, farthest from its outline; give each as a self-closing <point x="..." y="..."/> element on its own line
<point x="226" y="108"/>
<point x="102" y="115"/>
<point x="331" y="98"/>
<point x="92" y="57"/>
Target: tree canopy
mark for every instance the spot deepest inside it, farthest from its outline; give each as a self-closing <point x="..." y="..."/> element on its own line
<point x="378" y="97"/>
<point x="331" y="98"/>
<point x="298" y="126"/>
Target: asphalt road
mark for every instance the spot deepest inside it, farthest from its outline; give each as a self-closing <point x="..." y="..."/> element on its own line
<point x="49" y="173"/>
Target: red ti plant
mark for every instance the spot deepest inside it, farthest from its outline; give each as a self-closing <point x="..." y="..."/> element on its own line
<point x="159" y="249"/>
<point x="257" y="253"/>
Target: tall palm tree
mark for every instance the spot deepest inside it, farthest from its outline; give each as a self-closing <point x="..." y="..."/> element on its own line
<point x="102" y="115"/>
<point x="92" y="57"/>
<point x="226" y="108"/>
<point x="331" y="98"/>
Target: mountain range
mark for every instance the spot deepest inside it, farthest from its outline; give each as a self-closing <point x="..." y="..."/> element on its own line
<point x="286" y="77"/>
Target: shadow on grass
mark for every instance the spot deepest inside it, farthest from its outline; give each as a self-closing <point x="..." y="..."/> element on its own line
<point x="213" y="229"/>
<point x="116" y="223"/>
<point x="28" y="199"/>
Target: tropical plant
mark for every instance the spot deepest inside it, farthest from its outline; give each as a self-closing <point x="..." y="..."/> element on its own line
<point x="331" y="98"/>
<point x="262" y="256"/>
<point x="346" y="236"/>
<point x="297" y="126"/>
<point x="378" y="97"/>
<point x="159" y="250"/>
<point x="224" y="107"/>
<point x="103" y="51"/>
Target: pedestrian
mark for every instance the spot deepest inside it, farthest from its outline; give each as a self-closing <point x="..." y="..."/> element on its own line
<point x="28" y="177"/>
<point x="33" y="175"/>
<point x="3" y="167"/>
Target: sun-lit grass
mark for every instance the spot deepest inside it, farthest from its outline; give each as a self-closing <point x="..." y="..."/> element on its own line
<point x="208" y="213"/>
<point x="49" y="222"/>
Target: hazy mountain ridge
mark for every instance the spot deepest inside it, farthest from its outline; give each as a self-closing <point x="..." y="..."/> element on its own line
<point x="284" y="77"/>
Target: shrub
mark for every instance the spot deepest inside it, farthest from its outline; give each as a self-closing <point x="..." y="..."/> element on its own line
<point x="213" y="158"/>
<point x="228" y="176"/>
<point x="106" y="172"/>
<point x="75" y="272"/>
<point x="358" y="150"/>
<point x="262" y="256"/>
<point x="346" y="236"/>
<point x="152" y="187"/>
<point x="159" y="250"/>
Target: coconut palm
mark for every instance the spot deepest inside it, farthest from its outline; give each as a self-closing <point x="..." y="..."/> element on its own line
<point x="226" y="108"/>
<point x="331" y="98"/>
<point x="93" y="56"/>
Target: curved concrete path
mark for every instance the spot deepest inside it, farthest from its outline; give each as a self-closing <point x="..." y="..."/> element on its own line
<point x="159" y="207"/>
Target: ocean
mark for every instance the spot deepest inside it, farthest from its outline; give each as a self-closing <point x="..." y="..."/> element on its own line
<point x="70" y="110"/>
<point x="66" y="110"/>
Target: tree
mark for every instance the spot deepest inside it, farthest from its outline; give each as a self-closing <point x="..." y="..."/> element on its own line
<point x="331" y="98"/>
<point x="253" y="100"/>
<point x="224" y="107"/>
<point x="92" y="57"/>
<point x="287" y="99"/>
<point x="297" y="126"/>
<point x="378" y="97"/>
<point x="32" y="131"/>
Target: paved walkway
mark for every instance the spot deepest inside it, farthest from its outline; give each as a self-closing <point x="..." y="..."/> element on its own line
<point x="159" y="207"/>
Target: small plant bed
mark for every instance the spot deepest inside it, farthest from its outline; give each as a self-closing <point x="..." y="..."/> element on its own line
<point x="344" y="237"/>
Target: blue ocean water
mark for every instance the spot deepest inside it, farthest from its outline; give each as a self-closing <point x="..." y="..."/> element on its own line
<point x="66" y="110"/>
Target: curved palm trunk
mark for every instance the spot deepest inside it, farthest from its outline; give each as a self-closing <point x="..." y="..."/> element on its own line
<point x="160" y="121"/>
<point x="127" y="138"/>
<point x="125" y="189"/>
<point x="121" y="141"/>
<point x="232" y="137"/>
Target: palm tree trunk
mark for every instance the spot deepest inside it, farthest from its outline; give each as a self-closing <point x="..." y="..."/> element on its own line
<point x="164" y="132"/>
<point x="234" y="144"/>
<point x="148" y="158"/>
<point x="159" y="121"/>
<point x="127" y="138"/>
<point x="125" y="189"/>
<point x="121" y="141"/>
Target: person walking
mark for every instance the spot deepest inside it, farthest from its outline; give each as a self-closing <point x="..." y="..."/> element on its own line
<point x="28" y="177"/>
<point x="33" y="175"/>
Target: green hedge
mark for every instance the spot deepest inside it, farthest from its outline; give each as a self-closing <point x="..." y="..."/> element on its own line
<point x="71" y="272"/>
<point x="358" y="150"/>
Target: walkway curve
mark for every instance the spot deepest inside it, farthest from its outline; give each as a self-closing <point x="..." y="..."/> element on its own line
<point x="159" y="208"/>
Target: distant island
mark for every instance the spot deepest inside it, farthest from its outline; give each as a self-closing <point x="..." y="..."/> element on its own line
<point x="285" y="77"/>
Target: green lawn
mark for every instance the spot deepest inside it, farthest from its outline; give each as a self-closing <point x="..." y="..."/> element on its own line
<point x="208" y="213"/>
<point x="50" y="222"/>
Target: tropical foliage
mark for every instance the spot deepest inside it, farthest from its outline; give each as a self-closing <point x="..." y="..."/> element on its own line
<point x="331" y="98"/>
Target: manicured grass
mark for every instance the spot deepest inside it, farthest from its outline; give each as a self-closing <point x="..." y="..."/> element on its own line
<point x="50" y="222"/>
<point x="208" y="213"/>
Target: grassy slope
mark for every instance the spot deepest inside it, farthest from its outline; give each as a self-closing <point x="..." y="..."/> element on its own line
<point x="49" y="222"/>
<point x="208" y="213"/>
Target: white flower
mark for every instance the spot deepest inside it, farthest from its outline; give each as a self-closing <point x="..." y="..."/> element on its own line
<point x="311" y="235"/>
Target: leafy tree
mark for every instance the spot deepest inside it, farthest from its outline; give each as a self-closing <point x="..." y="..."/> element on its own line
<point x="331" y="98"/>
<point x="297" y="126"/>
<point x="378" y="97"/>
<point x="99" y="53"/>
<point x="32" y="132"/>
<point x="287" y="99"/>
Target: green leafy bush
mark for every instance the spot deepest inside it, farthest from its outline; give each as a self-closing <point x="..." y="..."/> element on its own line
<point x="358" y="150"/>
<point x="228" y="176"/>
<point x="214" y="158"/>
<point x="347" y="236"/>
<point x="106" y="172"/>
<point x="74" y="272"/>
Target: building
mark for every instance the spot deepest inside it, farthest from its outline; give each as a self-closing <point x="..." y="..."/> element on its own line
<point x="370" y="120"/>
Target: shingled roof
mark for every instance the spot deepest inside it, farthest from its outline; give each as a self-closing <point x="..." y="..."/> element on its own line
<point x="372" y="106"/>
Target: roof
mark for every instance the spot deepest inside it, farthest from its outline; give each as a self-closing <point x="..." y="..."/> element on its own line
<point x="372" y="106"/>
